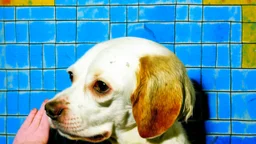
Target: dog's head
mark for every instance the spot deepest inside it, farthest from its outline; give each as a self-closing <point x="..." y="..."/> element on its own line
<point x="119" y="83"/>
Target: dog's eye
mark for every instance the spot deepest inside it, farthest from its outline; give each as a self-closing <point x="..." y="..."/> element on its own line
<point x="70" y="76"/>
<point x="101" y="87"/>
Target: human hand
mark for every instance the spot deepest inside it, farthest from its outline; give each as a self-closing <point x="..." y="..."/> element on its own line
<point x="35" y="129"/>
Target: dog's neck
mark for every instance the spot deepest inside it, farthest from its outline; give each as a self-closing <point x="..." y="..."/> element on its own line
<point x="174" y="135"/>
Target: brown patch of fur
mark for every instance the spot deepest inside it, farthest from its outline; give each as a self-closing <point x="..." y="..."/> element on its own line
<point x="158" y="98"/>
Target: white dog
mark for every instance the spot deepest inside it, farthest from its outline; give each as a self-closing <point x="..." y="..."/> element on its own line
<point x="126" y="90"/>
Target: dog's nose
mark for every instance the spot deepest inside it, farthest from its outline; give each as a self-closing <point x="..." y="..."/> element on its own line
<point x="53" y="110"/>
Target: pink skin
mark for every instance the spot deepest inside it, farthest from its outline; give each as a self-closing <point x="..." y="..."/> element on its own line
<point x="35" y="129"/>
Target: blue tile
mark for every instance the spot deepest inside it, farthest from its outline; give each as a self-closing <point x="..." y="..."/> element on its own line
<point x="243" y="79"/>
<point x="118" y="14"/>
<point x="22" y="55"/>
<point x="243" y="139"/>
<point x="37" y="98"/>
<point x="217" y="127"/>
<point x="3" y="103"/>
<point x="46" y="33"/>
<point x="24" y="103"/>
<point x="244" y="127"/>
<point x="3" y="139"/>
<point x="190" y="55"/>
<point x="65" y="2"/>
<point x="35" y="13"/>
<point x="161" y="33"/>
<point x="21" y="32"/>
<point x="189" y="1"/>
<point x="1" y="32"/>
<point x="169" y="46"/>
<point x="49" y="79"/>
<point x="217" y="139"/>
<point x="195" y="13"/>
<point x="132" y="13"/>
<point x="209" y="55"/>
<point x="243" y="106"/>
<point x="10" y="56"/>
<point x="216" y="32"/>
<point x="216" y="79"/>
<point x="128" y="2"/>
<point x="62" y="79"/>
<point x="36" y="79"/>
<point x="12" y="103"/>
<point x="13" y="124"/>
<point x="223" y="55"/>
<point x="2" y="125"/>
<point x="139" y="30"/>
<point x="94" y="2"/>
<point x="93" y="13"/>
<point x="212" y="105"/>
<point x="236" y="55"/>
<point x="92" y="31"/>
<point x="66" y="13"/>
<point x="7" y="13"/>
<point x="188" y="32"/>
<point x="222" y="13"/>
<point x="63" y="35"/>
<point x="223" y="105"/>
<point x="10" y="139"/>
<point x="118" y="30"/>
<point x="81" y="49"/>
<point x="49" y="56"/>
<point x="24" y="80"/>
<point x="9" y="32"/>
<point x="65" y="55"/>
<point x="182" y="12"/>
<point x="157" y="13"/>
<point x="157" y="1"/>
<point x="2" y="55"/>
<point x="12" y="80"/>
<point x="36" y="53"/>
<point x="236" y="32"/>
<point x="3" y="79"/>
<point x="194" y="74"/>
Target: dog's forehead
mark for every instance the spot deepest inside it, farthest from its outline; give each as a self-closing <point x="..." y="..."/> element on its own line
<point x="118" y="53"/>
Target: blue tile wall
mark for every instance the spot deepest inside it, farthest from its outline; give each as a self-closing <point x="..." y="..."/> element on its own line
<point x="3" y="103"/>
<point x="38" y="43"/>
<point x="232" y="13"/>
<point x="65" y="13"/>
<point x="62" y="35"/>
<point x="22" y="32"/>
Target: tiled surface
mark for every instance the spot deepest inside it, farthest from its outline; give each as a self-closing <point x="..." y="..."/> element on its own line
<point x="215" y="39"/>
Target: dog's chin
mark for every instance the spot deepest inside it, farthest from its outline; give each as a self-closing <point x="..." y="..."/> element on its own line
<point x="95" y="138"/>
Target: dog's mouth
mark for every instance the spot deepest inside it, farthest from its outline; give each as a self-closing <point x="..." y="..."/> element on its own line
<point x="94" y="139"/>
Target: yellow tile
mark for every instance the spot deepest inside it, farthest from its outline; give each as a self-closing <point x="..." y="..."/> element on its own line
<point x="249" y="14"/>
<point x="249" y="32"/>
<point x="249" y="56"/>
<point x="26" y="2"/>
<point x="42" y="2"/>
<point x="229" y="2"/>
<point x="19" y="2"/>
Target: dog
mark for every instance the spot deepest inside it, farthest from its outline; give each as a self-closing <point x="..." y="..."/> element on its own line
<point x="126" y="90"/>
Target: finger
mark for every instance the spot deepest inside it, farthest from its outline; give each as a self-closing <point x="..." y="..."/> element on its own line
<point x="38" y="117"/>
<point x="29" y="119"/>
<point x="44" y="126"/>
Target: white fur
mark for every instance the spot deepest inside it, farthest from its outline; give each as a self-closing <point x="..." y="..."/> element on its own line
<point x="115" y="62"/>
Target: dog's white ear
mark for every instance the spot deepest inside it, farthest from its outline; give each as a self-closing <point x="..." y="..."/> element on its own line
<point x="161" y="94"/>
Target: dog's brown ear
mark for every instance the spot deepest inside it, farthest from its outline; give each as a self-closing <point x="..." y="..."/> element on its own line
<point x="158" y="98"/>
